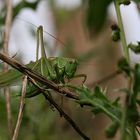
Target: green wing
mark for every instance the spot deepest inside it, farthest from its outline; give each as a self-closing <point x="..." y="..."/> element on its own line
<point x="9" y="78"/>
<point x="13" y="76"/>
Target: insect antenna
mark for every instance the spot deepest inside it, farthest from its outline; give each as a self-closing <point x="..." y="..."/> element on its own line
<point x="55" y="38"/>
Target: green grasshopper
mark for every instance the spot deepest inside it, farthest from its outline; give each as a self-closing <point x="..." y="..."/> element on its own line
<point x="56" y="69"/>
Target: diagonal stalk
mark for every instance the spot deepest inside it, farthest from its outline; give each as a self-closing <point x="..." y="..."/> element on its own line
<point x="122" y="33"/>
<point x="127" y="56"/>
<point x="21" y="109"/>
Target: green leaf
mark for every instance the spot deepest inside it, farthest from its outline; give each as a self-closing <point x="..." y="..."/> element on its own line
<point x="96" y="14"/>
<point x="25" y="4"/>
<point x="133" y="114"/>
<point x="32" y="91"/>
<point x="18" y="8"/>
<point x="136" y="86"/>
<point x="125" y="2"/>
<point x="137" y="1"/>
<point x="115" y="32"/>
<point x="138" y="102"/>
<point x="124" y="66"/>
<point x="99" y="102"/>
<point x="135" y="47"/>
<point x="112" y="129"/>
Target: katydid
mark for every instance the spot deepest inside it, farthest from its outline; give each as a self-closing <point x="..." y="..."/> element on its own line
<point x="56" y="69"/>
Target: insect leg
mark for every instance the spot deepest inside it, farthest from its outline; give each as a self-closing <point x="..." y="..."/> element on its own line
<point x="84" y="76"/>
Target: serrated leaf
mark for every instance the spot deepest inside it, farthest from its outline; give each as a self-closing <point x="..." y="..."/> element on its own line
<point x="99" y="102"/>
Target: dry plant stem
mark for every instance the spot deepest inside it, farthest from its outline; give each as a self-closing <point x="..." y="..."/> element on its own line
<point x="5" y="68"/>
<point x="34" y="75"/>
<point x="21" y="109"/>
<point x="71" y="122"/>
<point x="60" y="110"/>
<point x="9" y="114"/>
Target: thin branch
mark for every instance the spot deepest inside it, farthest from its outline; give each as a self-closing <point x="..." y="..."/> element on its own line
<point x="33" y="75"/>
<point x="38" y="77"/>
<point x="21" y="109"/>
<point x="8" y="108"/>
<point x="69" y="120"/>
<point x="125" y="48"/>
<point x="8" y="22"/>
<point x="61" y="111"/>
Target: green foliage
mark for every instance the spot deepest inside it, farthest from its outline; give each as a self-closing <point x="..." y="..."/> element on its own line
<point x="96" y="14"/>
<point x="125" y="2"/>
<point x="115" y="33"/>
<point x="124" y="66"/>
<point x="9" y="78"/>
<point x="13" y="77"/>
<point x="99" y="102"/>
<point x="135" y="48"/>
<point x="24" y="4"/>
<point x="3" y="133"/>
<point x="18" y="8"/>
<point x="137" y="1"/>
<point x="112" y="129"/>
<point x="136" y="87"/>
<point x="58" y="69"/>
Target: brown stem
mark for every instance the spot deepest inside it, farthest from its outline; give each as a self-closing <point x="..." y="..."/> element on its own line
<point x="33" y="75"/>
<point x="8" y="22"/>
<point x="38" y="77"/>
<point x="21" y="109"/>
<point x="9" y="114"/>
<point x="61" y="111"/>
<point x="71" y="122"/>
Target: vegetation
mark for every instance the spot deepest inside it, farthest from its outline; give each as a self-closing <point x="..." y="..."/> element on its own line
<point x="50" y="77"/>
